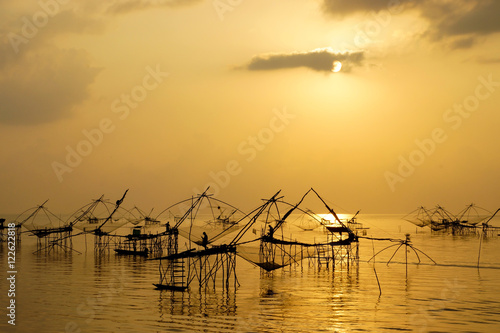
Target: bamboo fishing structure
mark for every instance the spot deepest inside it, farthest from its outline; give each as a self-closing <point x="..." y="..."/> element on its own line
<point x="470" y="221"/>
<point x="204" y="266"/>
<point x="4" y="229"/>
<point x="340" y="249"/>
<point x="209" y="261"/>
<point x="53" y="236"/>
<point x="144" y="244"/>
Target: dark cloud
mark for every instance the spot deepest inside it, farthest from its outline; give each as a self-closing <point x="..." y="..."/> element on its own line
<point x="488" y="60"/>
<point x="463" y="24"/>
<point x="319" y="60"/>
<point x="44" y="86"/>
<point x="21" y="34"/>
<point x="69" y="21"/>
<point x="463" y="43"/>
<point x="126" y="6"/>
<point x="343" y="7"/>
<point x="39" y="82"/>
<point x="456" y="23"/>
<point x="483" y="19"/>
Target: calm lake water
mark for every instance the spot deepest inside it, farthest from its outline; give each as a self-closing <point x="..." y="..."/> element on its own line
<point x="110" y="293"/>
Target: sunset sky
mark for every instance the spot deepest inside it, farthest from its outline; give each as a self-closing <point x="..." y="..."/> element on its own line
<point x="165" y="97"/>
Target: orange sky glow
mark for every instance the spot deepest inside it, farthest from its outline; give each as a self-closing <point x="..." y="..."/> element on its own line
<point x="381" y="106"/>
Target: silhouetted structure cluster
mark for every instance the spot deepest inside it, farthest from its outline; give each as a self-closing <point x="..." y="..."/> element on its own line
<point x="470" y="221"/>
<point x="217" y="232"/>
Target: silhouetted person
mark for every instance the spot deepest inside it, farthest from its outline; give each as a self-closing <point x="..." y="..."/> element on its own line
<point x="167" y="226"/>
<point x="204" y="240"/>
<point x="271" y="232"/>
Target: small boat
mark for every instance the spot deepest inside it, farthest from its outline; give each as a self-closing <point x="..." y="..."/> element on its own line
<point x="336" y="228"/>
<point x="132" y="252"/>
<point x="169" y="287"/>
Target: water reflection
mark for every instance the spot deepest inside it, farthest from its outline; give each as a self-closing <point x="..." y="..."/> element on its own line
<point x="300" y="300"/>
<point x="199" y="310"/>
<point x="111" y="293"/>
<point x="293" y="301"/>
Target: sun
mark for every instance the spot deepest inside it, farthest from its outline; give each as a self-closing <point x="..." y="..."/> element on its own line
<point x="336" y="66"/>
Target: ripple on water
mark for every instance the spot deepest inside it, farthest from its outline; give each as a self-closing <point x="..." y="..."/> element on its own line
<point x="115" y="293"/>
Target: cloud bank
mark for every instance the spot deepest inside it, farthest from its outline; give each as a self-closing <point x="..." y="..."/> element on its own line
<point x="44" y="86"/>
<point x="482" y="19"/>
<point x="126" y="6"/>
<point x="459" y="23"/>
<point x="320" y="60"/>
<point x="340" y="8"/>
<point x="40" y="82"/>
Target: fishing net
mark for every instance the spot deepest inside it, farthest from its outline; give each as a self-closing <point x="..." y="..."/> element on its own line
<point x="307" y="221"/>
<point x="473" y="215"/>
<point x="274" y="250"/>
<point x="271" y="256"/>
<point x="97" y="216"/>
<point x="201" y="215"/>
<point x="40" y="220"/>
<point x="214" y="232"/>
<point x="441" y="219"/>
<point x="143" y="218"/>
<point x="421" y="217"/>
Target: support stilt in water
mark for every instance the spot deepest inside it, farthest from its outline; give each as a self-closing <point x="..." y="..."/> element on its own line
<point x="480" y="244"/>
<point x="204" y="267"/>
